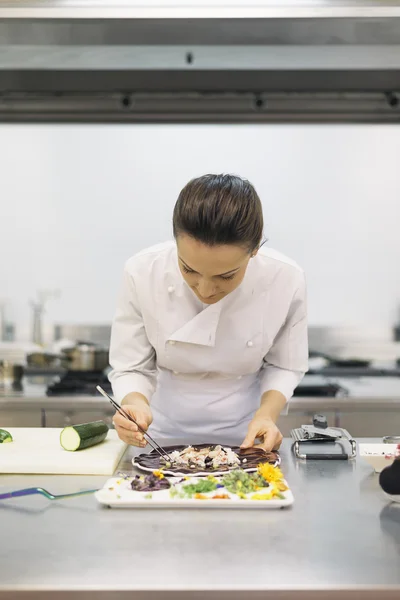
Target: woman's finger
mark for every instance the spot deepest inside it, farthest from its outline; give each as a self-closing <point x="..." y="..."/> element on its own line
<point x="134" y="435"/>
<point x="131" y="438"/>
<point x="270" y="440"/>
<point x="250" y="438"/>
<point x="124" y="423"/>
<point x="278" y="442"/>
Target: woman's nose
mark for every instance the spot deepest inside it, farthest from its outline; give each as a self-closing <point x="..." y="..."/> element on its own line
<point x="206" y="288"/>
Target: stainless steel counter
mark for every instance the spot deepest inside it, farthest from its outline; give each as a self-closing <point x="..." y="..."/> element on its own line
<point x="340" y="538"/>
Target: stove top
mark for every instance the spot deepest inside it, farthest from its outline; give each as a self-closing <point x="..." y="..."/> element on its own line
<point x="79" y="383"/>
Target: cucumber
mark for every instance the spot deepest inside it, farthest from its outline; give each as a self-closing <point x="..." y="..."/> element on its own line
<point x="79" y="437"/>
<point x="5" y="436"/>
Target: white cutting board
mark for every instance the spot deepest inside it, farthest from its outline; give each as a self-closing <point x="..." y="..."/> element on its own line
<point x="38" y="450"/>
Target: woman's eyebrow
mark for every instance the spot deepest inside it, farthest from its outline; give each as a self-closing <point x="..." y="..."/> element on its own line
<point x="219" y="275"/>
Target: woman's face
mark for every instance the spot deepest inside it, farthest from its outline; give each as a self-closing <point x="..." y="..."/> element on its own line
<point x="212" y="272"/>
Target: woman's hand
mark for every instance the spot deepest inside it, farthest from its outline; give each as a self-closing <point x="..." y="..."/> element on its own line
<point x="139" y="409"/>
<point x="265" y="429"/>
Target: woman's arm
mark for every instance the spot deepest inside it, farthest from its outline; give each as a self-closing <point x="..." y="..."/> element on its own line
<point x="283" y="369"/>
<point x="132" y="358"/>
<point x="287" y="360"/>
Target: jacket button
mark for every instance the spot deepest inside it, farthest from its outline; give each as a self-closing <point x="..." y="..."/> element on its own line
<point x="250" y="344"/>
<point x="176" y="372"/>
<point x="239" y="377"/>
<point x="171" y="342"/>
<point x="171" y="289"/>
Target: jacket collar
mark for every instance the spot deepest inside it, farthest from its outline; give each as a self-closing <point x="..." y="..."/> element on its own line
<point x="202" y="328"/>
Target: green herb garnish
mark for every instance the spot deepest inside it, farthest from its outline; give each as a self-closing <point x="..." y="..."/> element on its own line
<point x="240" y="482"/>
<point x="201" y="487"/>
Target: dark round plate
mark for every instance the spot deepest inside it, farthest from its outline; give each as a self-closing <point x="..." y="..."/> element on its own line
<point x="253" y="456"/>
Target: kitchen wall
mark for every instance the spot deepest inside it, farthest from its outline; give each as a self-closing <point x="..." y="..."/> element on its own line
<point x="77" y="201"/>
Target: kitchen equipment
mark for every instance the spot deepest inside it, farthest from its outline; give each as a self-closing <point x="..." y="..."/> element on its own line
<point x="86" y="356"/>
<point x="42" y="360"/>
<point x="148" y="437"/>
<point x="117" y="493"/>
<point x="10" y="374"/>
<point x="322" y="438"/>
<point x="391" y="439"/>
<point x="38" y="450"/>
<point x="95" y="334"/>
<point x="42" y="492"/>
<point x="315" y="385"/>
<point x="82" y="383"/>
<point x="378" y="456"/>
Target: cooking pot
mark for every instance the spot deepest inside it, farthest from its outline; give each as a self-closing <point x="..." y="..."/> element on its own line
<point x="85" y="356"/>
<point x="10" y="373"/>
<point x="43" y="360"/>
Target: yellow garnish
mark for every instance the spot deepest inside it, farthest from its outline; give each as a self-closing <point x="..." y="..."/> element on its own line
<point x="200" y="497"/>
<point x="158" y="474"/>
<point x="269" y="472"/>
<point x="261" y="496"/>
<point x="281" y="486"/>
<point x="239" y="484"/>
<point x="212" y="478"/>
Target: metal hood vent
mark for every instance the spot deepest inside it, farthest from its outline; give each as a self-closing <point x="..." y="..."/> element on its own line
<point x="120" y="61"/>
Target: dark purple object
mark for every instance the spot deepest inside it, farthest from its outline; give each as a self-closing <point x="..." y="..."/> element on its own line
<point x="253" y="457"/>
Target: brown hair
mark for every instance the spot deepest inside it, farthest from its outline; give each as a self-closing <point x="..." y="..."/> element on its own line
<point x="220" y="209"/>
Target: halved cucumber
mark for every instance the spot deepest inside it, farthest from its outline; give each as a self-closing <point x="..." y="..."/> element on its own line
<point x="79" y="437"/>
<point x="5" y="436"/>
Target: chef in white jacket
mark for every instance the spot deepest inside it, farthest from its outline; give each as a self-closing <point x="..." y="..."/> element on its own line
<point x="209" y="340"/>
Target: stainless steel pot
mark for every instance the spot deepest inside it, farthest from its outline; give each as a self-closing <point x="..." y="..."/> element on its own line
<point x="10" y="373"/>
<point x="86" y="357"/>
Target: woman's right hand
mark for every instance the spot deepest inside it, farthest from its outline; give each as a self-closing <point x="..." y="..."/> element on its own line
<point x="128" y="431"/>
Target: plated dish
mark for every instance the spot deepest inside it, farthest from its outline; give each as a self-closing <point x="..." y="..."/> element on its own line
<point x="205" y="459"/>
<point x="263" y="488"/>
<point x="378" y="456"/>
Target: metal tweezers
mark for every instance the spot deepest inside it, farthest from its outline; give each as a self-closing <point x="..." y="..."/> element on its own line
<point x="159" y="449"/>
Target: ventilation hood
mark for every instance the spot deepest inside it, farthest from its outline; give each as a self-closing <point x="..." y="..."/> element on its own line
<point x="96" y="61"/>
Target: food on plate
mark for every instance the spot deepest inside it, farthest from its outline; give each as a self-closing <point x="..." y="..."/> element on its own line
<point x="5" y="437"/>
<point x="210" y="457"/>
<point x="264" y="484"/>
<point x="150" y="483"/>
<point x="204" y="486"/>
<point x="203" y="459"/>
<point x="233" y="488"/>
<point x="268" y="480"/>
<point x="241" y="483"/>
<point x="79" y="437"/>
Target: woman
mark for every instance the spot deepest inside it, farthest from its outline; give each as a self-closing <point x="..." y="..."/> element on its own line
<point x="210" y="335"/>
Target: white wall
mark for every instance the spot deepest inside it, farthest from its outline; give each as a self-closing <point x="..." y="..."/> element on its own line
<point x="76" y="201"/>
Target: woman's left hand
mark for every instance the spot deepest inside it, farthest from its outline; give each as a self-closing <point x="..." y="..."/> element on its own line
<point x="265" y="429"/>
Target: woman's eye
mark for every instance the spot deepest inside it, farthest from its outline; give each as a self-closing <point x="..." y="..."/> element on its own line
<point x="186" y="270"/>
<point x="227" y="277"/>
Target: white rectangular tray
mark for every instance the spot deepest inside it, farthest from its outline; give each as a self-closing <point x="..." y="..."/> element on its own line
<point x="117" y="493"/>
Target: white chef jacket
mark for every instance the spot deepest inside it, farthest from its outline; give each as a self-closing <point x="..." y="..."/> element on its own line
<point x="205" y="367"/>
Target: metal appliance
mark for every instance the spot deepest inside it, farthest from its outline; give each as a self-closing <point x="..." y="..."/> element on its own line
<point x="101" y="61"/>
<point x="322" y="439"/>
<point x="78" y="383"/>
